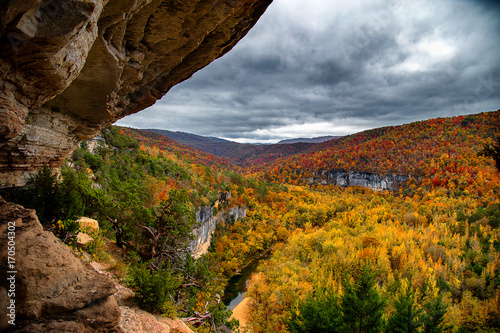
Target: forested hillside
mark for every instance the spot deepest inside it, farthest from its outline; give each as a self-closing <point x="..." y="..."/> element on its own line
<point x="410" y="149"/>
<point x="211" y="145"/>
<point x="422" y="258"/>
<point x="145" y="191"/>
<point x="245" y="155"/>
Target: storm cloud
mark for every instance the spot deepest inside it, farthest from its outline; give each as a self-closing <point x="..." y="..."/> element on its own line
<point x="324" y="67"/>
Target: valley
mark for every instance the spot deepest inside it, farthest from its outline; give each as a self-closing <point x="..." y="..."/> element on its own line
<point x="432" y="236"/>
<point x="376" y="208"/>
<point x="242" y="154"/>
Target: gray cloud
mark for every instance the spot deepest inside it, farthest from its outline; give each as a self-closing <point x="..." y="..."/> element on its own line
<point x="326" y="67"/>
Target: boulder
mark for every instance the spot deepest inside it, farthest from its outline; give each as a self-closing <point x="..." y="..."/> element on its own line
<point x="88" y="225"/>
<point x="82" y="239"/>
<point x="137" y="321"/>
<point x="134" y="320"/>
<point x="55" y="291"/>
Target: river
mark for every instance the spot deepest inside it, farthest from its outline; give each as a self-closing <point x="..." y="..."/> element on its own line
<point x="237" y="286"/>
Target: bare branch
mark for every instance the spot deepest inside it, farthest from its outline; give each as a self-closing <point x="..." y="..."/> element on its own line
<point x="198" y="318"/>
<point x="147" y="229"/>
<point x="190" y="285"/>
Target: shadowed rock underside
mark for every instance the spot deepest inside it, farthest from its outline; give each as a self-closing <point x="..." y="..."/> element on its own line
<point x="69" y="68"/>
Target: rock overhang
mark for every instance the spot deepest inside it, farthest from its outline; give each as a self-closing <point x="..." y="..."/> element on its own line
<point x="69" y="68"/>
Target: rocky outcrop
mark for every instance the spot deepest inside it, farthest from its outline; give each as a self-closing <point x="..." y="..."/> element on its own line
<point x="134" y="320"/>
<point x="47" y="286"/>
<point x="352" y="178"/>
<point x="83" y="239"/>
<point x="69" y="68"/>
<point x="207" y="222"/>
<point x="95" y="143"/>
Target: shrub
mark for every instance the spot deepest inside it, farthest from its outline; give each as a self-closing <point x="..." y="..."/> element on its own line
<point x="154" y="288"/>
<point x="66" y="230"/>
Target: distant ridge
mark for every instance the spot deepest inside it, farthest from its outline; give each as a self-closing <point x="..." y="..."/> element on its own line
<point x="211" y="145"/>
<point x="187" y="138"/>
<point x="319" y="139"/>
<point x="239" y="153"/>
<point x="384" y="150"/>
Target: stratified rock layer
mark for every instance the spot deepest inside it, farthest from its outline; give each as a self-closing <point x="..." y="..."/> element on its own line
<point x="53" y="290"/>
<point x="373" y="181"/>
<point x="69" y="68"/>
<point x="207" y="222"/>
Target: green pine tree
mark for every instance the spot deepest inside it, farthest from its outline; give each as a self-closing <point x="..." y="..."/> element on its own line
<point x="172" y="229"/>
<point x="47" y="196"/>
<point x="320" y="313"/>
<point x="405" y="319"/>
<point x="362" y="306"/>
<point x="433" y="317"/>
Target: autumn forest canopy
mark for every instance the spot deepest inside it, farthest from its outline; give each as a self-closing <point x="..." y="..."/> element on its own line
<point x="423" y="256"/>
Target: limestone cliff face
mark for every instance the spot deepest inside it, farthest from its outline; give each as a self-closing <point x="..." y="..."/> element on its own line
<point x="69" y="68"/>
<point x="207" y="223"/>
<point x="351" y="178"/>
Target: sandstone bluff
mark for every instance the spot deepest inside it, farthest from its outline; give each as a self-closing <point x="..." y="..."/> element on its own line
<point x="68" y="69"/>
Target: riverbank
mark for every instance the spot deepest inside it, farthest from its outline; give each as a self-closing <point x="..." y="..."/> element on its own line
<point x="237" y="286"/>
<point x="236" y="290"/>
<point x="241" y="312"/>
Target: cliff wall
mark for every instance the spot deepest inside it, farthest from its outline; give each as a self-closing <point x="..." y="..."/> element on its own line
<point x="373" y="181"/>
<point x="69" y="68"/>
<point x="207" y="224"/>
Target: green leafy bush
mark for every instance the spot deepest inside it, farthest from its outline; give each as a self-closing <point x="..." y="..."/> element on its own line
<point x="67" y="230"/>
<point x="154" y="288"/>
<point x="492" y="214"/>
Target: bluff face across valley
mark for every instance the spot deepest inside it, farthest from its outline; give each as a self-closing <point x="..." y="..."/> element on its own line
<point x="372" y="181"/>
<point x="208" y="221"/>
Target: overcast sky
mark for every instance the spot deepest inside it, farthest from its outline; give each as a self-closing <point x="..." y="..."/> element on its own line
<point x="335" y="67"/>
